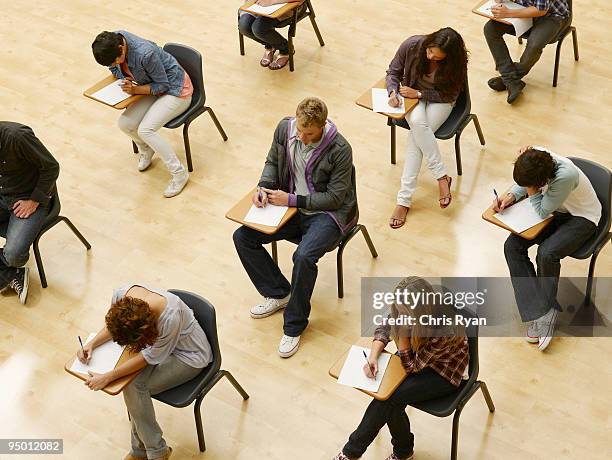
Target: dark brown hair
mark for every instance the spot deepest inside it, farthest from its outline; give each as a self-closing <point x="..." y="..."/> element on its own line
<point x="106" y="47"/>
<point x="452" y="70"/>
<point x="533" y="168"/>
<point x="131" y="323"/>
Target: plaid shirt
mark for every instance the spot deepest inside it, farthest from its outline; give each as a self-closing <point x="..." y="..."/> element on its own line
<point x="439" y="353"/>
<point x="554" y="7"/>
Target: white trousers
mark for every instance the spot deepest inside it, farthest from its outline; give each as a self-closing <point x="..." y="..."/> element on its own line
<point x="423" y="120"/>
<point x="142" y="119"/>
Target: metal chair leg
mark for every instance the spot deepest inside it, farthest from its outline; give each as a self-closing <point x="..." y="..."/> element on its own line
<point x="455" y="435"/>
<point x="557" y="58"/>
<point x="487" y="396"/>
<point x="458" y="153"/>
<point x="216" y="122"/>
<point x="339" y="271"/>
<point x="314" y="24"/>
<point x="589" y="287"/>
<point x="198" y="421"/>
<point x="393" y="141"/>
<point x="368" y="240"/>
<point x="291" y="53"/>
<point x="478" y="129"/>
<point x="241" y="42"/>
<point x="274" y="252"/>
<point x="78" y="234"/>
<point x="187" y="146"/>
<point x="39" y="263"/>
<point x="134" y="147"/>
<point x="520" y="40"/>
<point x="575" y="43"/>
<point x="236" y="385"/>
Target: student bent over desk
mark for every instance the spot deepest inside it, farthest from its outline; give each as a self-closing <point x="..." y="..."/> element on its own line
<point x="553" y="185"/>
<point x="172" y="349"/>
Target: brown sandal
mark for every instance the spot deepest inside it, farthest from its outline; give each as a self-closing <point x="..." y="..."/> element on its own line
<point x="281" y="61"/>
<point x="267" y="58"/>
<point x="448" y="196"/>
<point x="396" y="222"/>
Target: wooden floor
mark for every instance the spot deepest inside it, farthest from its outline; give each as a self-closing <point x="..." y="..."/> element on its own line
<point x="554" y="405"/>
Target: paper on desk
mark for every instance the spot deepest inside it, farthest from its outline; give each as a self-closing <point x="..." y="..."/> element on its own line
<point x="380" y="102"/>
<point x="255" y="8"/>
<point x="520" y="216"/>
<point x="352" y="374"/>
<point x="103" y="359"/>
<point x="269" y="215"/>
<point x="521" y="25"/>
<point x="111" y="94"/>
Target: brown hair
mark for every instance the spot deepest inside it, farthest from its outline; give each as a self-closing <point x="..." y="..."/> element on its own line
<point x="534" y="168"/>
<point x="419" y="334"/>
<point x="131" y="323"/>
<point x="312" y="111"/>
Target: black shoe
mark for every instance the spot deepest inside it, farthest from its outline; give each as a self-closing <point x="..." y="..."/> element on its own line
<point x="497" y="84"/>
<point x="514" y="90"/>
<point x="21" y="283"/>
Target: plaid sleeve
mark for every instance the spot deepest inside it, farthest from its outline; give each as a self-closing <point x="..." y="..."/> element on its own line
<point x="382" y="334"/>
<point x="542" y="5"/>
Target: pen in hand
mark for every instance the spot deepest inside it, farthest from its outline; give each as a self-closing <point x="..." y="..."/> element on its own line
<point x="496" y="198"/>
<point x="368" y="363"/>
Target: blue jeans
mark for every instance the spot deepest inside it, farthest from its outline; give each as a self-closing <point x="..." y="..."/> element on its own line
<point x="424" y="385"/>
<point x="317" y="234"/>
<point x="263" y="30"/>
<point x="536" y="292"/>
<point x="19" y="235"/>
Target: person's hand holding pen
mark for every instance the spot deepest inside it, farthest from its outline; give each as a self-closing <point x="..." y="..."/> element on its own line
<point x="84" y="353"/>
<point x="394" y="99"/>
<point x="129" y="86"/>
<point x="499" y="10"/>
<point x="370" y="368"/>
<point x="260" y="198"/>
<point x="500" y="204"/>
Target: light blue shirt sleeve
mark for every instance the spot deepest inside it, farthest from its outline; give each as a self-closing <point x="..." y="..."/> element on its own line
<point x="518" y="192"/>
<point x="559" y="189"/>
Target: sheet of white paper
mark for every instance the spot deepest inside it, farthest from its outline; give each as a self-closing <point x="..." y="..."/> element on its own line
<point x="520" y="216"/>
<point x="352" y="374"/>
<point x="103" y="359"/>
<point x="269" y="215"/>
<point x="521" y="25"/>
<point x="380" y="102"/>
<point x="111" y="94"/>
<point x="255" y="8"/>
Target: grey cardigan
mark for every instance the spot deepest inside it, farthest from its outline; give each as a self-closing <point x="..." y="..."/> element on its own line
<point x="329" y="174"/>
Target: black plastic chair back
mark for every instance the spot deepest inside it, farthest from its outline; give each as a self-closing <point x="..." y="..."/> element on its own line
<point x="461" y="110"/>
<point x="601" y="180"/>
<point x="190" y="59"/>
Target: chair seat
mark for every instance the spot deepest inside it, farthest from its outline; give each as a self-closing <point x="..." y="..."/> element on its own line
<point x="302" y="13"/>
<point x="591" y="246"/>
<point x="191" y="112"/>
<point x="443" y="407"/>
<point x="444" y="132"/>
<point x="183" y="395"/>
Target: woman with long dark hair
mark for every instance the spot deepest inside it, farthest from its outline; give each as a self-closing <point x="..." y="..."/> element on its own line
<point x="433" y="69"/>
<point x="435" y="357"/>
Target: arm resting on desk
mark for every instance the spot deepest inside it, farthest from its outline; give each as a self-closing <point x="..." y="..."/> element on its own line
<point x="99" y="381"/>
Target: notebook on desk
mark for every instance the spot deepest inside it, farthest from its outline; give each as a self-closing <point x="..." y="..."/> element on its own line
<point x="521" y="25"/>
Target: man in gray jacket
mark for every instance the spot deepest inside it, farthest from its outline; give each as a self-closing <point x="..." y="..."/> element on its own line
<point x="309" y="166"/>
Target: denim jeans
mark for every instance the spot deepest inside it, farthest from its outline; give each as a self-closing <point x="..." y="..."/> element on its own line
<point x="536" y="293"/>
<point x="19" y="235"/>
<point x="263" y="30"/>
<point x="544" y="30"/>
<point x="427" y="384"/>
<point x="318" y="234"/>
<point x="147" y="440"/>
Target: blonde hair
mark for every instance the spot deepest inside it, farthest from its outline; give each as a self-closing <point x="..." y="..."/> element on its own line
<point x="419" y="333"/>
<point x="312" y="111"/>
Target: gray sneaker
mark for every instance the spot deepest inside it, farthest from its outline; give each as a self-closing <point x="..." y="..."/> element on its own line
<point x="547" y="328"/>
<point x="145" y="160"/>
<point x="533" y="332"/>
<point x="177" y="184"/>
<point x="21" y="283"/>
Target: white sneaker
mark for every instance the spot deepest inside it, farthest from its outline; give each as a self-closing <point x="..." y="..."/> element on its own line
<point x="288" y="346"/>
<point x="177" y="184"/>
<point x="533" y="332"/>
<point x="268" y="307"/>
<point x="145" y="160"/>
<point x="547" y="328"/>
